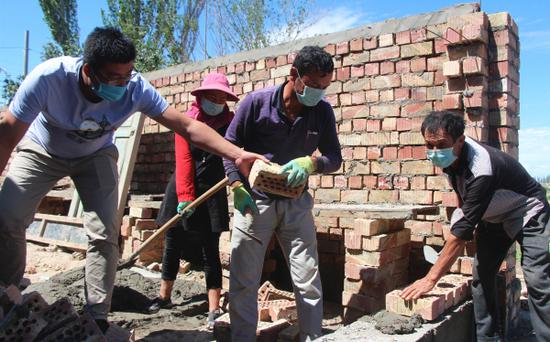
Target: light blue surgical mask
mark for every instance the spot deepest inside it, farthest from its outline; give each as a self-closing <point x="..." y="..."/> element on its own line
<point x="109" y="92"/>
<point x="211" y="108"/>
<point x="442" y="157"/>
<point x="310" y="97"/>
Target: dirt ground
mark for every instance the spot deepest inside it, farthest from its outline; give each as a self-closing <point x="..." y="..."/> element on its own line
<point x="57" y="273"/>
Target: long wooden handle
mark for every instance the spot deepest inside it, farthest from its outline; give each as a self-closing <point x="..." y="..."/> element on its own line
<point x="198" y="201"/>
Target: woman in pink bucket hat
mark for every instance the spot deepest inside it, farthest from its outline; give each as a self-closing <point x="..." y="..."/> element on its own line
<point x="196" y="236"/>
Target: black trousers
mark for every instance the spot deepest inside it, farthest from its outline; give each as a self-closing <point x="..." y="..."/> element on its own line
<point x="198" y="247"/>
<point x="492" y="246"/>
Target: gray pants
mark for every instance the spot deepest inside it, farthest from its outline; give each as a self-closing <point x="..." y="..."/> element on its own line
<point x="32" y="173"/>
<point x="492" y="246"/>
<point x="292" y="222"/>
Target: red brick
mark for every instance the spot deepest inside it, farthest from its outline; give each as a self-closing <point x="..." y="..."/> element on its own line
<point x="420" y="227"/>
<point x="418" y="35"/>
<point x="352" y="240"/>
<point x="374" y="125"/>
<point x="477" y="100"/>
<point x="401" y="183"/>
<point x="475" y="33"/>
<point x="418" y="183"/>
<point x="369" y="227"/>
<point x="452" y="101"/>
<point x="428" y="306"/>
<point x="389" y="124"/>
<point x="449" y="199"/>
<point x="389" y="153"/>
<point x="355" y="182"/>
<point x="452" y="69"/>
<point x="503" y="38"/>
<point x="440" y="45"/>
<point x="340" y="182"/>
<point x="373" y="153"/>
<point x="358" y="97"/>
<point x="386" y="241"/>
<point x="359" y="153"/>
<point x="342" y="48"/>
<point x="359" y="124"/>
<point x="403" y="37"/>
<point x="331" y="49"/>
<point x="356" y="45"/>
<point x="404" y="152"/>
<point x="418" y="94"/>
<point x="327" y="181"/>
<point x="403" y="66"/>
<point x="372" y="69"/>
<point x="384" y="53"/>
<point x="385" y="40"/>
<point x="385" y="183"/>
<point x="387" y="67"/>
<point x="452" y="35"/>
<point x="401" y="93"/>
<point x="370" y="43"/>
<point x="416" y="108"/>
<point x="474" y="65"/>
<point x="418" y="64"/>
<point x="357" y="71"/>
<point x="343" y="73"/>
<point x="419" y="152"/>
<point x="370" y="181"/>
<point x="466" y="265"/>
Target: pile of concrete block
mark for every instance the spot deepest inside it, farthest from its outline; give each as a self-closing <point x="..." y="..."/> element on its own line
<point x="139" y="225"/>
<point x="451" y="290"/>
<point x="29" y="318"/>
<point x="276" y="317"/>
<point x="377" y="262"/>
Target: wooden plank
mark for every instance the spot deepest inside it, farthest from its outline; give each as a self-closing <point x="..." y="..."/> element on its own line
<point x="66" y="244"/>
<point x="59" y="218"/>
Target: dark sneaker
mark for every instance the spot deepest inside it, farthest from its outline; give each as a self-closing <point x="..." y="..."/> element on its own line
<point x="212" y="315"/>
<point x="158" y="304"/>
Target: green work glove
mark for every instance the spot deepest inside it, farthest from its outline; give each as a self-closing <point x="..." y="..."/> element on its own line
<point x="186" y="213"/>
<point x="298" y="170"/>
<point x="243" y="200"/>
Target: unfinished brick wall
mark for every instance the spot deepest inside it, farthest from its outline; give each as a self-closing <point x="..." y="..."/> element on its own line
<point x="387" y="78"/>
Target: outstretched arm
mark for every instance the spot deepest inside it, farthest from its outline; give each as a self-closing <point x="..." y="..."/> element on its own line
<point x="207" y="139"/>
<point x="11" y="132"/>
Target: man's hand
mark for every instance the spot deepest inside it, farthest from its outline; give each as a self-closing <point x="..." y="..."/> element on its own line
<point x="298" y="170"/>
<point x="181" y="207"/>
<point x="242" y="200"/>
<point x="246" y="159"/>
<point x="418" y="288"/>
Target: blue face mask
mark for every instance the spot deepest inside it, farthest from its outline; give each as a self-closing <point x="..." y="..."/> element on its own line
<point x="310" y="97"/>
<point x="211" y="108"/>
<point x="442" y="158"/>
<point x="109" y="92"/>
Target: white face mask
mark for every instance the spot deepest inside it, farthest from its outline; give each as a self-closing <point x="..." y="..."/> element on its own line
<point x="211" y="108"/>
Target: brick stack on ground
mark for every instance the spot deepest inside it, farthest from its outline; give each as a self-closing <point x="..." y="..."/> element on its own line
<point x="377" y="261"/>
<point x="29" y="317"/>
<point x="139" y="225"/>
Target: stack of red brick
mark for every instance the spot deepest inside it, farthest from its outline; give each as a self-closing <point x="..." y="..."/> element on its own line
<point x="450" y="290"/>
<point x="276" y="315"/>
<point x="29" y="318"/>
<point x="377" y="261"/>
<point x="139" y="225"/>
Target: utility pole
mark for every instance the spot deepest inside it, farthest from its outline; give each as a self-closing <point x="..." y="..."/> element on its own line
<point x="205" y="27"/>
<point x="26" y="54"/>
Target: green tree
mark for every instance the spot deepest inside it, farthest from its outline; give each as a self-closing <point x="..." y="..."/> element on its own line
<point x="61" y="17"/>
<point x="164" y="31"/>
<point x="9" y="87"/>
<point x="252" y="24"/>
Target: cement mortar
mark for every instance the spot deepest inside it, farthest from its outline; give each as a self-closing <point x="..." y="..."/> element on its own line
<point x="393" y="324"/>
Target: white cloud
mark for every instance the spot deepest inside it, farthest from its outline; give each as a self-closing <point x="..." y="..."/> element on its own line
<point x="534" y="150"/>
<point x="328" y="21"/>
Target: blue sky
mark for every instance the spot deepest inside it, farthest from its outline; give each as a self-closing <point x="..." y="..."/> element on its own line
<point x="330" y="16"/>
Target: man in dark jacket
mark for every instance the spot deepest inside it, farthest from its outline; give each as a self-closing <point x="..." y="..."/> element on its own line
<point x="499" y="202"/>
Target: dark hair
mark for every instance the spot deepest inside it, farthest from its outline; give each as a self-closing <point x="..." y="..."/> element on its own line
<point x="108" y="45"/>
<point x="449" y="121"/>
<point x="312" y="59"/>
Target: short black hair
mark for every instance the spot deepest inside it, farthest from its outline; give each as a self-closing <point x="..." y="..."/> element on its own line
<point x="449" y="121"/>
<point x="311" y="59"/>
<point x="108" y="45"/>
